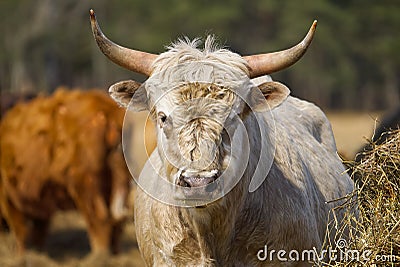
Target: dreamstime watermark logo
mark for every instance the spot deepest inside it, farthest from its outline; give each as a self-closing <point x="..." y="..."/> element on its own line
<point x="341" y="253"/>
<point x="156" y="178"/>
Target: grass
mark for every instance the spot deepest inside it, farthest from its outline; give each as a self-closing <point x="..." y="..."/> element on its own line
<point x="371" y="225"/>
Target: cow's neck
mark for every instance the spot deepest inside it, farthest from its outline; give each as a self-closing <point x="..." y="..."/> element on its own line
<point x="198" y="233"/>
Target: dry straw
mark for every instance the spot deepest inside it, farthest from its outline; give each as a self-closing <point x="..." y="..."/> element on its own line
<point x="371" y="235"/>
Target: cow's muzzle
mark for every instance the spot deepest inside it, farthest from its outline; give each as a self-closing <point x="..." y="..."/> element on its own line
<point x="198" y="181"/>
<point x="198" y="186"/>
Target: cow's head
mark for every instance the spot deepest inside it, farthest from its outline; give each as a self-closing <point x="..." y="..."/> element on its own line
<point x="196" y="97"/>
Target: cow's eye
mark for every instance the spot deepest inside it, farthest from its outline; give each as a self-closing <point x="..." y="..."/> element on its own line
<point x="162" y="118"/>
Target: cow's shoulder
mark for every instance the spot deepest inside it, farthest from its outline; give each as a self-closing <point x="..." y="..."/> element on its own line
<point x="307" y="119"/>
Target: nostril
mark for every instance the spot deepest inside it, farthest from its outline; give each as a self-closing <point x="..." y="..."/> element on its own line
<point x="183" y="183"/>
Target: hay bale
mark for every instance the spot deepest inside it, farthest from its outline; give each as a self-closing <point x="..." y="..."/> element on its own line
<point x="372" y="234"/>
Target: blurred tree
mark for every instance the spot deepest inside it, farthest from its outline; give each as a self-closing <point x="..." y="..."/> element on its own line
<point x="353" y="62"/>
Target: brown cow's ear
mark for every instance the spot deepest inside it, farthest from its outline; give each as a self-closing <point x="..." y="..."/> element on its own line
<point x="274" y="93"/>
<point x="129" y="93"/>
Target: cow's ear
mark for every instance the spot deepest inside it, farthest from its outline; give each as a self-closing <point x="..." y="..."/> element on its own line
<point x="129" y="93"/>
<point x="274" y="93"/>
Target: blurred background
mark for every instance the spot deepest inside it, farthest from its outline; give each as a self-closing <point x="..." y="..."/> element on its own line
<point x="353" y="63"/>
<point x="351" y="70"/>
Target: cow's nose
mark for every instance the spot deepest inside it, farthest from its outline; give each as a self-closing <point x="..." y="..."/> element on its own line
<point x="199" y="181"/>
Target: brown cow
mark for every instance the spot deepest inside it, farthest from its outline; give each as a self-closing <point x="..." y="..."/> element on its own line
<point x="63" y="152"/>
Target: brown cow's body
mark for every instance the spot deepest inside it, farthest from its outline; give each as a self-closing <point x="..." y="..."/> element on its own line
<point x="63" y="152"/>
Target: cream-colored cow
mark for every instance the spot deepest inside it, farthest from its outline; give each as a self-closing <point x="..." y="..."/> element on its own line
<point x="213" y="129"/>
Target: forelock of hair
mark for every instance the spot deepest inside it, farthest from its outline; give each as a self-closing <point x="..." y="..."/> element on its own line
<point x="191" y="91"/>
<point x="186" y="50"/>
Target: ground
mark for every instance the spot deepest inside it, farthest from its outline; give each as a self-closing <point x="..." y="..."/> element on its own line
<point x="68" y="246"/>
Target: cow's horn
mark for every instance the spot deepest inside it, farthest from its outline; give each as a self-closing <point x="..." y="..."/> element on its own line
<point x="271" y="62"/>
<point x="130" y="59"/>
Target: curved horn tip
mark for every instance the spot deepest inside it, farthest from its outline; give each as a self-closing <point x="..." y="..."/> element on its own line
<point x="92" y="15"/>
<point x="314" y="25"/>
<point x="310" y="35"/>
